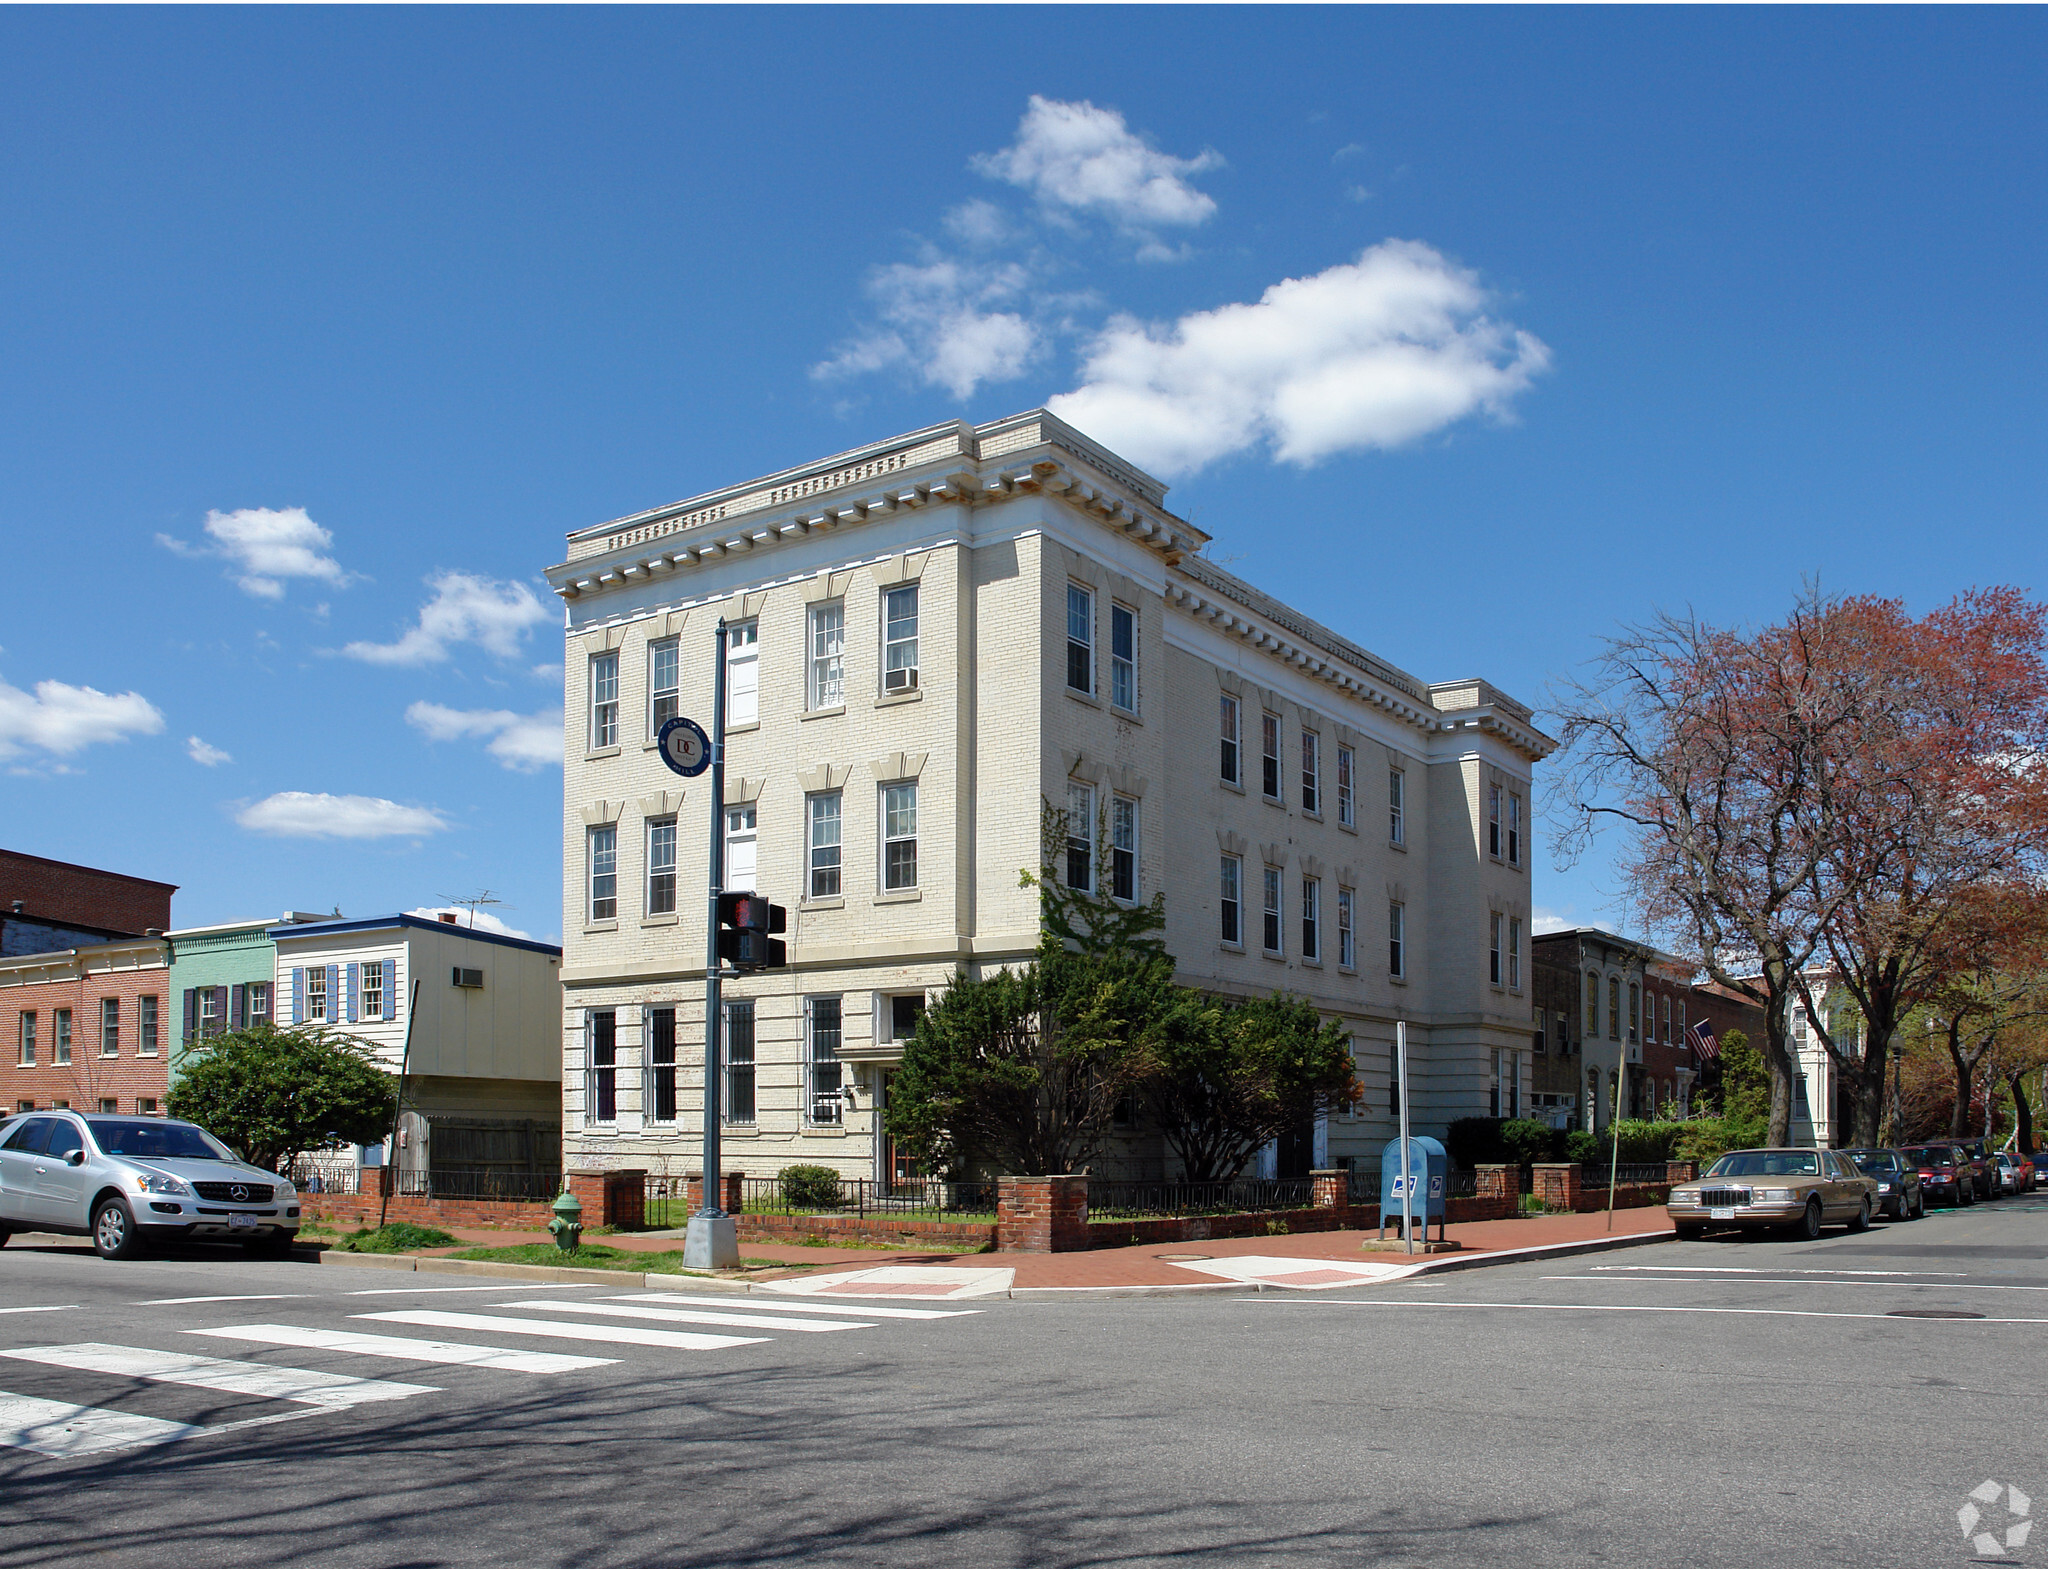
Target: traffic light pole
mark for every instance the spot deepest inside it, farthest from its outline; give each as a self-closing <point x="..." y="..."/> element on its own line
<point x="712" y="1240"/>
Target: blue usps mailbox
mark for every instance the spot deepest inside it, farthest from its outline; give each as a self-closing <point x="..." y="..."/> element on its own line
<point x="1428" y="1166"/>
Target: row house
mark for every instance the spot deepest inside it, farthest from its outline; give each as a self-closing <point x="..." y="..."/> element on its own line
<point x="1605" y="1002"/>
<point x="223" y="978"/>
<point x="932" y="638"/>
<point x="89" y="1027"/>
<point x="64" y="897"/>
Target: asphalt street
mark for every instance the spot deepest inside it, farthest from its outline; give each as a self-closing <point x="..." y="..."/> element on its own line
<point x="1739" y="1401"/>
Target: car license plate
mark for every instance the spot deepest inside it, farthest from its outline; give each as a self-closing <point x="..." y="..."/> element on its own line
<point x="241" y="1222"/>
<point x="1721" y="1214"/>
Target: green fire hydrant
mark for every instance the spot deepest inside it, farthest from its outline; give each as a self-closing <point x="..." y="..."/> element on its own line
<point x="567" y="1226"/>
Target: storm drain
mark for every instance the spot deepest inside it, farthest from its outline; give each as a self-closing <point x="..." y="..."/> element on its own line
<point x="1931" y="1313"/>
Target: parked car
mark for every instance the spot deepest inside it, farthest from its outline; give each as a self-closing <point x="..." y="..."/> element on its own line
<point x="1898" y="1183"/>
<point x="1945" y="1173"/>
<point x="1980" y="1165"/>
<point x="2030" y="1170"/>
<point x="1799" y="1190"/>
<point x="2011" y="1174"/>
<point x="133" y="1182"/>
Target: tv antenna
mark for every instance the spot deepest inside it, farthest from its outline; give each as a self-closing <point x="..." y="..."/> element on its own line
<point x="481" y="899"/>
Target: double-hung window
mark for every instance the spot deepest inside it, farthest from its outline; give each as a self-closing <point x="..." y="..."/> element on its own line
<point x="373" y="990"/>
<point x="1493" y="837"/>
<point x="1397" y="938"/>
<point x="659" y="1095"/>
<point x="827" y="656"/>
<point x="1635" y="1005"/>
<point x="1347" y="934"/>
<point x="28" y="1040"/>
<point x="1514" y="953"/>
<point x="1231" y="899"/>
<point x="1080" y="639"/>
<point x="740" y="842"/>
<point x="259" y="1010"/>
<point x="1495" y="928"/>
<point x="739" y="1062"/>
<point x="1123" y="657"/>
<point x="1614" y="1007"/>
<point x="601" y="1073"/>
<point x="1397" y="806"/>
<point x="604" y="700"/>
<point x="604" y="877"/>
<point x="1123" y="848"/>
<point x="1232" y="768"/>
<point x="664" y="683"/>
<point x="1311" y="772"/>
<point x="742" y="674"/>
<point x="661" y="866"/>
<point x="899" y="639"/>
<point x="1514" y="829"/>
<point x="821" y="1062"/>
<point x="1080" y="837"/>
<point x="827" y="843"/>
<point x="110" y="1026"/>
<point x="1269" y="756"/>
<point x="1592" y="1029"/>
<point x="1312" y="918"/>
<point x="1347" y="787"/>
<point x="1272" y="936"/>
<point x="146" y="1021"/>
<point x="899" y="837"/>
<point x="316" y="1000"/>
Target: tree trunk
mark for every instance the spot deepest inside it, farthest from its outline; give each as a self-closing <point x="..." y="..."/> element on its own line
<point x="1778" y="1058"/>
<point x="1965" y="1068"/>
<point x="2022" y="1109"/>
<point x="1868" y="1089"/>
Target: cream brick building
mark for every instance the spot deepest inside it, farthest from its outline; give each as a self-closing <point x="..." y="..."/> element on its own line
<point x="934" y="634"/>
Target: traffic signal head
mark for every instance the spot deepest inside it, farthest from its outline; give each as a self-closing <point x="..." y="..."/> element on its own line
<point x="745" y="921"/>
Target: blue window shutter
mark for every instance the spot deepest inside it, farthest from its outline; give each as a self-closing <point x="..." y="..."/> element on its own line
<point x="298" y="996"/>
<point x="333" y="993"/>
<point x="390" y="991"/>
<point x="238" y="1006"/>
<point x="355" y="972"/>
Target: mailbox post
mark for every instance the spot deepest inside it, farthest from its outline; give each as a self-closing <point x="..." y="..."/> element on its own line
<point x="1415" y="1175"/>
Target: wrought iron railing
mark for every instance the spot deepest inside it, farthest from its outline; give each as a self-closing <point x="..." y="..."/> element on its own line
<point x="1244" y="1195"/>
<point x="668" y="1201"/>
<point x="1594" y="1174"/>
<point x="331" y="1176"/>
<point x="479" y="1182"/>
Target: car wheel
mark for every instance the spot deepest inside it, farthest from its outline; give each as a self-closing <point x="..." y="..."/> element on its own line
<point x="1862" y="1220"/>
<point x="1807" y="1226"/>
<point x="1689" y="1230"/>
<point x="4" y="1235"/>
<point x="113" y="1231"/>
<point x="1919" y="1207"/>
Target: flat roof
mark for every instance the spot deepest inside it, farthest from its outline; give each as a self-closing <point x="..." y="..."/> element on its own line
<point x="380" y="923"/>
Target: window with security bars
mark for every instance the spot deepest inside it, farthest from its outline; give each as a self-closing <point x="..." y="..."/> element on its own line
<point x="828" y="656"/>
<point x="110" y="1026"/>
<point x="739" y="1062"/>
<point x="1123" y="657"/>
<point x="1230" y="899"/>
<point x="826" y="813"/>
<point x="825" y="1107"/>
<point x="899" y="837"/>
<point x="664" y="683"/>
<point x="661" y="866"/>
<point x="604" y="700"/>
<point x="1123" y="848"/>
<point x="601" y="1073"/>
<point x="899" y="639"/>
<point x="1272" y="936"/>
<point x="1080" y="639"/>
<point x="659" y="1097"/>
<point x="1232" y="764"/>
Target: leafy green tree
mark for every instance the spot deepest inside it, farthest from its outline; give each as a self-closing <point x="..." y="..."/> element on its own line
<point x="273" y="1094"/>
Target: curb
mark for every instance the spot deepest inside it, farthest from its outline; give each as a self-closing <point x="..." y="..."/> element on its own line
<point x="561" y="1275"/>
<point x="1452" y="1261"/>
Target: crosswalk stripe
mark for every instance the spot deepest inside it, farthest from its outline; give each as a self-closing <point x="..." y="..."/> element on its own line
<point x="273" y="1296"/>
<point x="756" y="1305"/>
<point x="400" y="1348"/>
<point x="61" y="1430"/>
<point x="692" y="1316"/>
<point x="615" y="1334"/>
<point x="238" y="1378"/>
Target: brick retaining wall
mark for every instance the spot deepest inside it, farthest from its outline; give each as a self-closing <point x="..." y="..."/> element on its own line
<point x="349" y="1209"/>
<point x="870" y="1228"/>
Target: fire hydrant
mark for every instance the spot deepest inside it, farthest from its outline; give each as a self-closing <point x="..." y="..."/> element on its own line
<point x="567" y="1226"/>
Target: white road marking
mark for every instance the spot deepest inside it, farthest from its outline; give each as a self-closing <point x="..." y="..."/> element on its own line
<point x="618" y="1335"/>
<point x="403" y="1349"/>
<point x="259" y="1379"/>
<point x="1733" y="1269"/>
<point x="755" y="1305"/>
<point x="1618" y="1307"/>
<point x="61" y="1430"/>
<point x="691" y="1316"/>
<point x="1773" y="1280"/>
<point x="62" y="1307"/>
<point x="503" y="1285"/>
<point x="275" y="1296"/>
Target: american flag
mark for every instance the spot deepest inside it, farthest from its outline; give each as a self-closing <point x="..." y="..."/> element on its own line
<point x="1703" y="1040"/>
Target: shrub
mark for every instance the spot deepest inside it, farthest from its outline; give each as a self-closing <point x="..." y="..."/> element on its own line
<point x="1475" y="1141"/>
<point x="1585" y="1148"/>
<point x="1527" y="1140"/>
<point x="809" y="1187"/>
<point x="401" y="1236"/>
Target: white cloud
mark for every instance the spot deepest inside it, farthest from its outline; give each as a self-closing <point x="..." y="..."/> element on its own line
<point x="61" y="719"/>
<point x="481" y="920"/>
<point x="547" y="673"/>
<point x="202" y="754"/>
<point x="942" y="319"/>
<point x="1078" y="158"/>
<point x="978" y="223"/>
<point x="300" y="814"/>
<point x="265" y="547"/>
<point x="465" y="609"/>
<point x="522" y="742"/>
<point x="1544" y="921"/>
<point x="1372" y="353"/>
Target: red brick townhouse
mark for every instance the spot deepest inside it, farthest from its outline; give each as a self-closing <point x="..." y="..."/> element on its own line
<point x="88" y="1028"/>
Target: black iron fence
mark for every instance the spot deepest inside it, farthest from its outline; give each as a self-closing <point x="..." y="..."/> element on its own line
<point x="1594" y="1174"/>
<point x="332" y="1176"/>
<point x="479" y="1182"/>
<point x="668" y="1202"/>
<point x="1245" y="1195"/>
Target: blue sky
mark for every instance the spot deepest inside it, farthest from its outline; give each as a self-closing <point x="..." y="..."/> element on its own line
<point x="319" y="329"/>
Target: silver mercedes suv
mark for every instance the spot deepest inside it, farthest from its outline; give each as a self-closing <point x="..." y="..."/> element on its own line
<point x="129" y="1182"/>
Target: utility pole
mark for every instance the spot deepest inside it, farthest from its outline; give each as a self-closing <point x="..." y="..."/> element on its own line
<point x="712" y="1239"/>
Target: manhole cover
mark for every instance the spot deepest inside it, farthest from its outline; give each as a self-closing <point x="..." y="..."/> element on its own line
<point x="1931" y="1313"/>
<point x="1182" y="1258"/>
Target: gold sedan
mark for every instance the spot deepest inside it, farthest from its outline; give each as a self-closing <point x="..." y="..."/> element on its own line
<point x="1798" y="1190"/>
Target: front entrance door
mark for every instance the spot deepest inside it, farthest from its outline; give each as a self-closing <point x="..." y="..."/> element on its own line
<point x="898" y="1169"/>
<point x="1297" y="1153"/>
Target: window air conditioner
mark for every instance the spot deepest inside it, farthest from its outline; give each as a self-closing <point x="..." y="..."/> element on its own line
<point x="900" y="680"/>
<point x="471" y="980"/>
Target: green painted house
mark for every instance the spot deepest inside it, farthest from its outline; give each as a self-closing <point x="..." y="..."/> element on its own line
<point x="223" y="978"/>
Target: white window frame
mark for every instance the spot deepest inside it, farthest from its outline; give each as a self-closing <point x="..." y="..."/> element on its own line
<point x="1496" y="931"/>
<point x="597" y="1075"/>
<point x="1493" y="826"/>
<point x="1273" y="910"/>
<point x="110" y="1026"/>
<point x="1123" y="849"/>
<point x="1347" y="787"/>
<point x="604" y="700"/>
<point x="825" y="845"/>
<point x="825" y="656"/>
<point x="601" y="874"/>
<point x="319" y="1006"/>
<point x="27" y="1045"/>
<point x="1081" y="636"/>
<point x="1397" y="806"/>
<point x="742" y="827"/>
<point x="1080" y="836"/>
<point x="899" y="829"/>
<point x="657" y="690"/>
<point x="1397" y="939"/>
<point x="1514" y="953"/>
<point x="1230" y="901"/>
<point x="1123" y="664"/>
<point x="1347" y="928"/>
<point x="662" y="857"/>
<point x="899" y="639"/>
<point x="1311" y="920"/>
<point x="742" y="674"/>
<point x="1514" y="828"/>
<point x="148" y="1022"/>
<point x="373" y="990"/>
<point x="1230" y="753"/>
<point x="824" y="1077"/>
